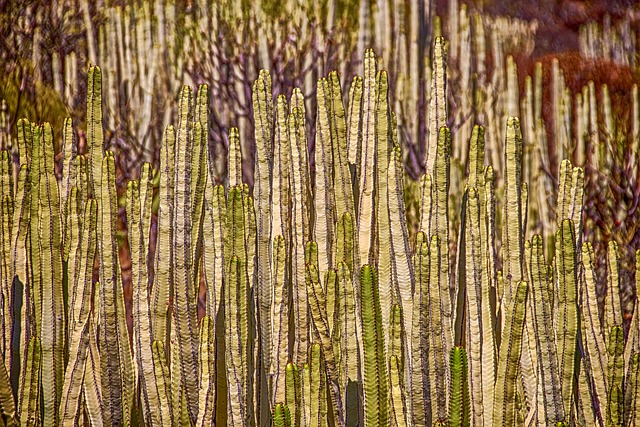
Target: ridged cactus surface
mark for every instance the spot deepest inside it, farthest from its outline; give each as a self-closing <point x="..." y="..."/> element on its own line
<point x="331" y="289"/>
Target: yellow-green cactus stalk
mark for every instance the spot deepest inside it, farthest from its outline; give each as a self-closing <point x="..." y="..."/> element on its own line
<point x="366" y="226"/>
<point x="263" y="130"/>
<point x="50" y="246"/>
<point x="164" y="253"/>
<point x="504" y="404"/>
<point x="206" y="372"/>
<point x="115" y="358"/>
<point x="343" y="186"/>
<point x="298" y="230"/>
<point x="479" y="324"/>
<point x="79" y="312"/>
<point x="324" y="194"/>
<point x="138" y="218"/>
<point x="592" y="329"/>
<point x="354" y="119"/>
<point x="279" y="321"/>
<point x="397" y="410"/>
<point x="318" y="309"/>
<point x="420" y="390"/>
<point x="615" y="377"/>
<point x="184" y="324"/>
<point x="550" y="404"/>
<point x="567" y="315"/>
<point x="632" y="392"/>
<point x="95" y="135"/>
<point x="437" y="103"/>
<point x="236" y="307"/>
<point x="439" y="332"/>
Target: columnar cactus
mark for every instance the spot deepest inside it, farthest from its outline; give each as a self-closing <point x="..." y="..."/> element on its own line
<point x="319" y="308"/>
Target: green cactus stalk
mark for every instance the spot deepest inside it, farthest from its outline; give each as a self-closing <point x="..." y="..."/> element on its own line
<point x="33" y="246"/>
<point x="281" y="416"/>
<point x="374" y="363"/>
<point x="199" y="179"/>
<point x="489" y="236"/>
<point x="69" y="151"/>
<point x="292" y="393"/>
<point x="73" y="230"/>
<point x="299" y="138"/>
<point x="426" y="196"/>
<point x="396" y="336"/>
<point x="23" y="307"/>
<point x="82" y="177"/>
<point x="331" y="293"/>
<point x="234" y="158"/>
<point x="459" y="405"/>
<point x="345" y="331"/>
<point x="345" y="241"/>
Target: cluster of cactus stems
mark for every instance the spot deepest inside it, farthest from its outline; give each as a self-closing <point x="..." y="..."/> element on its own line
<point x="147" y="50"/>
<point x="613" y="42"/>
<point x="321" y="307"/>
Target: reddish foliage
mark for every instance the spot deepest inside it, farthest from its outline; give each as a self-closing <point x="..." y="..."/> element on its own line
<point x="577" y="72"/>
